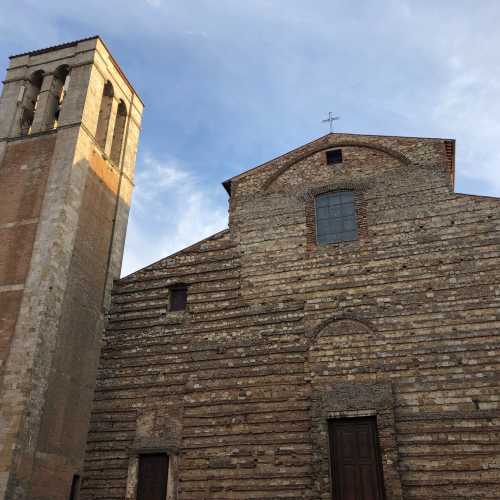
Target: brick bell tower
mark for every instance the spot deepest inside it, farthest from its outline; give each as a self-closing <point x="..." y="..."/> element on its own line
<point x="69" y="128"/>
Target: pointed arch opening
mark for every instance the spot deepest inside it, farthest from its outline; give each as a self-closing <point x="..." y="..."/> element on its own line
<point x="30" y="101"/>
<point x="104" y="114"/>
<point x="118" y="133"/>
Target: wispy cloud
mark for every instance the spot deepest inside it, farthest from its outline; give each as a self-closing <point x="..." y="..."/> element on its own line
<point x="171" y="209"/>
<point x="467" y="100"/>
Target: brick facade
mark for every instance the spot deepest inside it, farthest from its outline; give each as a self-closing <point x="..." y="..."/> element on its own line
<point x="281" y="334"/>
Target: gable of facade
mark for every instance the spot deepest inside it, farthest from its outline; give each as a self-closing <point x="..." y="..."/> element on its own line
<point x="285" y="341"/>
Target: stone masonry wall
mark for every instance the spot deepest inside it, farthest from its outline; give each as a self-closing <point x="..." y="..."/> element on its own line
<point x="281" y="334"/>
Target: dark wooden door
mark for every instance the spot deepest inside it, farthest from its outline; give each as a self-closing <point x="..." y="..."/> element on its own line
<point x="153" y="476"/>
<point x="355" y="459"/>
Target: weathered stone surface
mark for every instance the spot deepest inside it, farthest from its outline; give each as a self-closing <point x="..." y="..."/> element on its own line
<point x="281" y="334"/>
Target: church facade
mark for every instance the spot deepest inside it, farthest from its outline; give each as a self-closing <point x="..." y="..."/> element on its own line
<point x="339" y="340"/>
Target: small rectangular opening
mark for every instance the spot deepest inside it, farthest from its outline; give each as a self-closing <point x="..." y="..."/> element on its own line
<point x="178" y="298"/>
<point x="333" y="156"/>
<point x="75" y="487"/>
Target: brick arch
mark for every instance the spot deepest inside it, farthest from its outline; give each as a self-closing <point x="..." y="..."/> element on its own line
<point x="338" y="332"/>
<point x="351" y="185"/>
<point x="390" y="152"/>
<point x="336" y="321"/>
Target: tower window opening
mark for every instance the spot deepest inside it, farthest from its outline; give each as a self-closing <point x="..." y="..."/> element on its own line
<point x="104" y="115"/>
<point x="58" y="92"/>
<point x="30" y="101"/>
<point x="116" y="145"/>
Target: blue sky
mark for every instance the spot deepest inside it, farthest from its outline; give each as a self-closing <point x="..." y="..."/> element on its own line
<point x="229" y="84"/>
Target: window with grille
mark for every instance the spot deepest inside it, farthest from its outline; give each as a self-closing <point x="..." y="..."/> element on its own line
<point x="335" y="217"/>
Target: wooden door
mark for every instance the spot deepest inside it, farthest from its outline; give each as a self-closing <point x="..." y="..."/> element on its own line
<point x="153" y="476"/>
<point x="355" y="459"/>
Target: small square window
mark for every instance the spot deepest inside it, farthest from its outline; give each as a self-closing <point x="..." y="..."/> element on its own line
<point x="178" y="298"/>
<point x="333" y="156"/>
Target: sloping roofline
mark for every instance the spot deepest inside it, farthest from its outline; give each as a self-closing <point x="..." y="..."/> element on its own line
<point x="214" y="236"/>
<point x="74" y="43"/>
<point x="54" y="47"/>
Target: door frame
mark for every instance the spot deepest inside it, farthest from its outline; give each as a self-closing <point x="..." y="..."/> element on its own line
<point x="347" y="400"/>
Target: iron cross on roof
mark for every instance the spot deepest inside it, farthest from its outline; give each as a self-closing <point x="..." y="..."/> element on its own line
<point x="331" y="119"/>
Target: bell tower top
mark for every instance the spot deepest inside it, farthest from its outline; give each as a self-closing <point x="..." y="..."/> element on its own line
<point x="76" y="83"/>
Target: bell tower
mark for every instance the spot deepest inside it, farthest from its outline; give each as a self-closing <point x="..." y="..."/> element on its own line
<point x="69" y="129"/>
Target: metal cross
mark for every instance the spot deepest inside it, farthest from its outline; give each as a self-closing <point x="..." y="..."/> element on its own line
<point x="331" y="119"/>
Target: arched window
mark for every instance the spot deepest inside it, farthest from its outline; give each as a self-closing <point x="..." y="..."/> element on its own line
<point x="58" y="91"/>
<point x="335" y="217"/>
<point x="104" y="115"/>
<point x="30" y="101"/>
<point x="116" y="146"/>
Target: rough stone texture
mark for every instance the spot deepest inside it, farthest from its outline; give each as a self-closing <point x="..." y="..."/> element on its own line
<point x="63" y="213"/>
<point x="281" y="334"/>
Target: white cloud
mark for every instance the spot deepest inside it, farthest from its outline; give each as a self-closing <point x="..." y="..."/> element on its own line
<point x="171" y="209"/>
<point x="475" y="122"/>
<point x="468" y="104"/>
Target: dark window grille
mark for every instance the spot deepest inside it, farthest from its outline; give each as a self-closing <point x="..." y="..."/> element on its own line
<point x="178" y="298"/>
<point x="335" y="217"/>
<point x="333" y="156"/>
